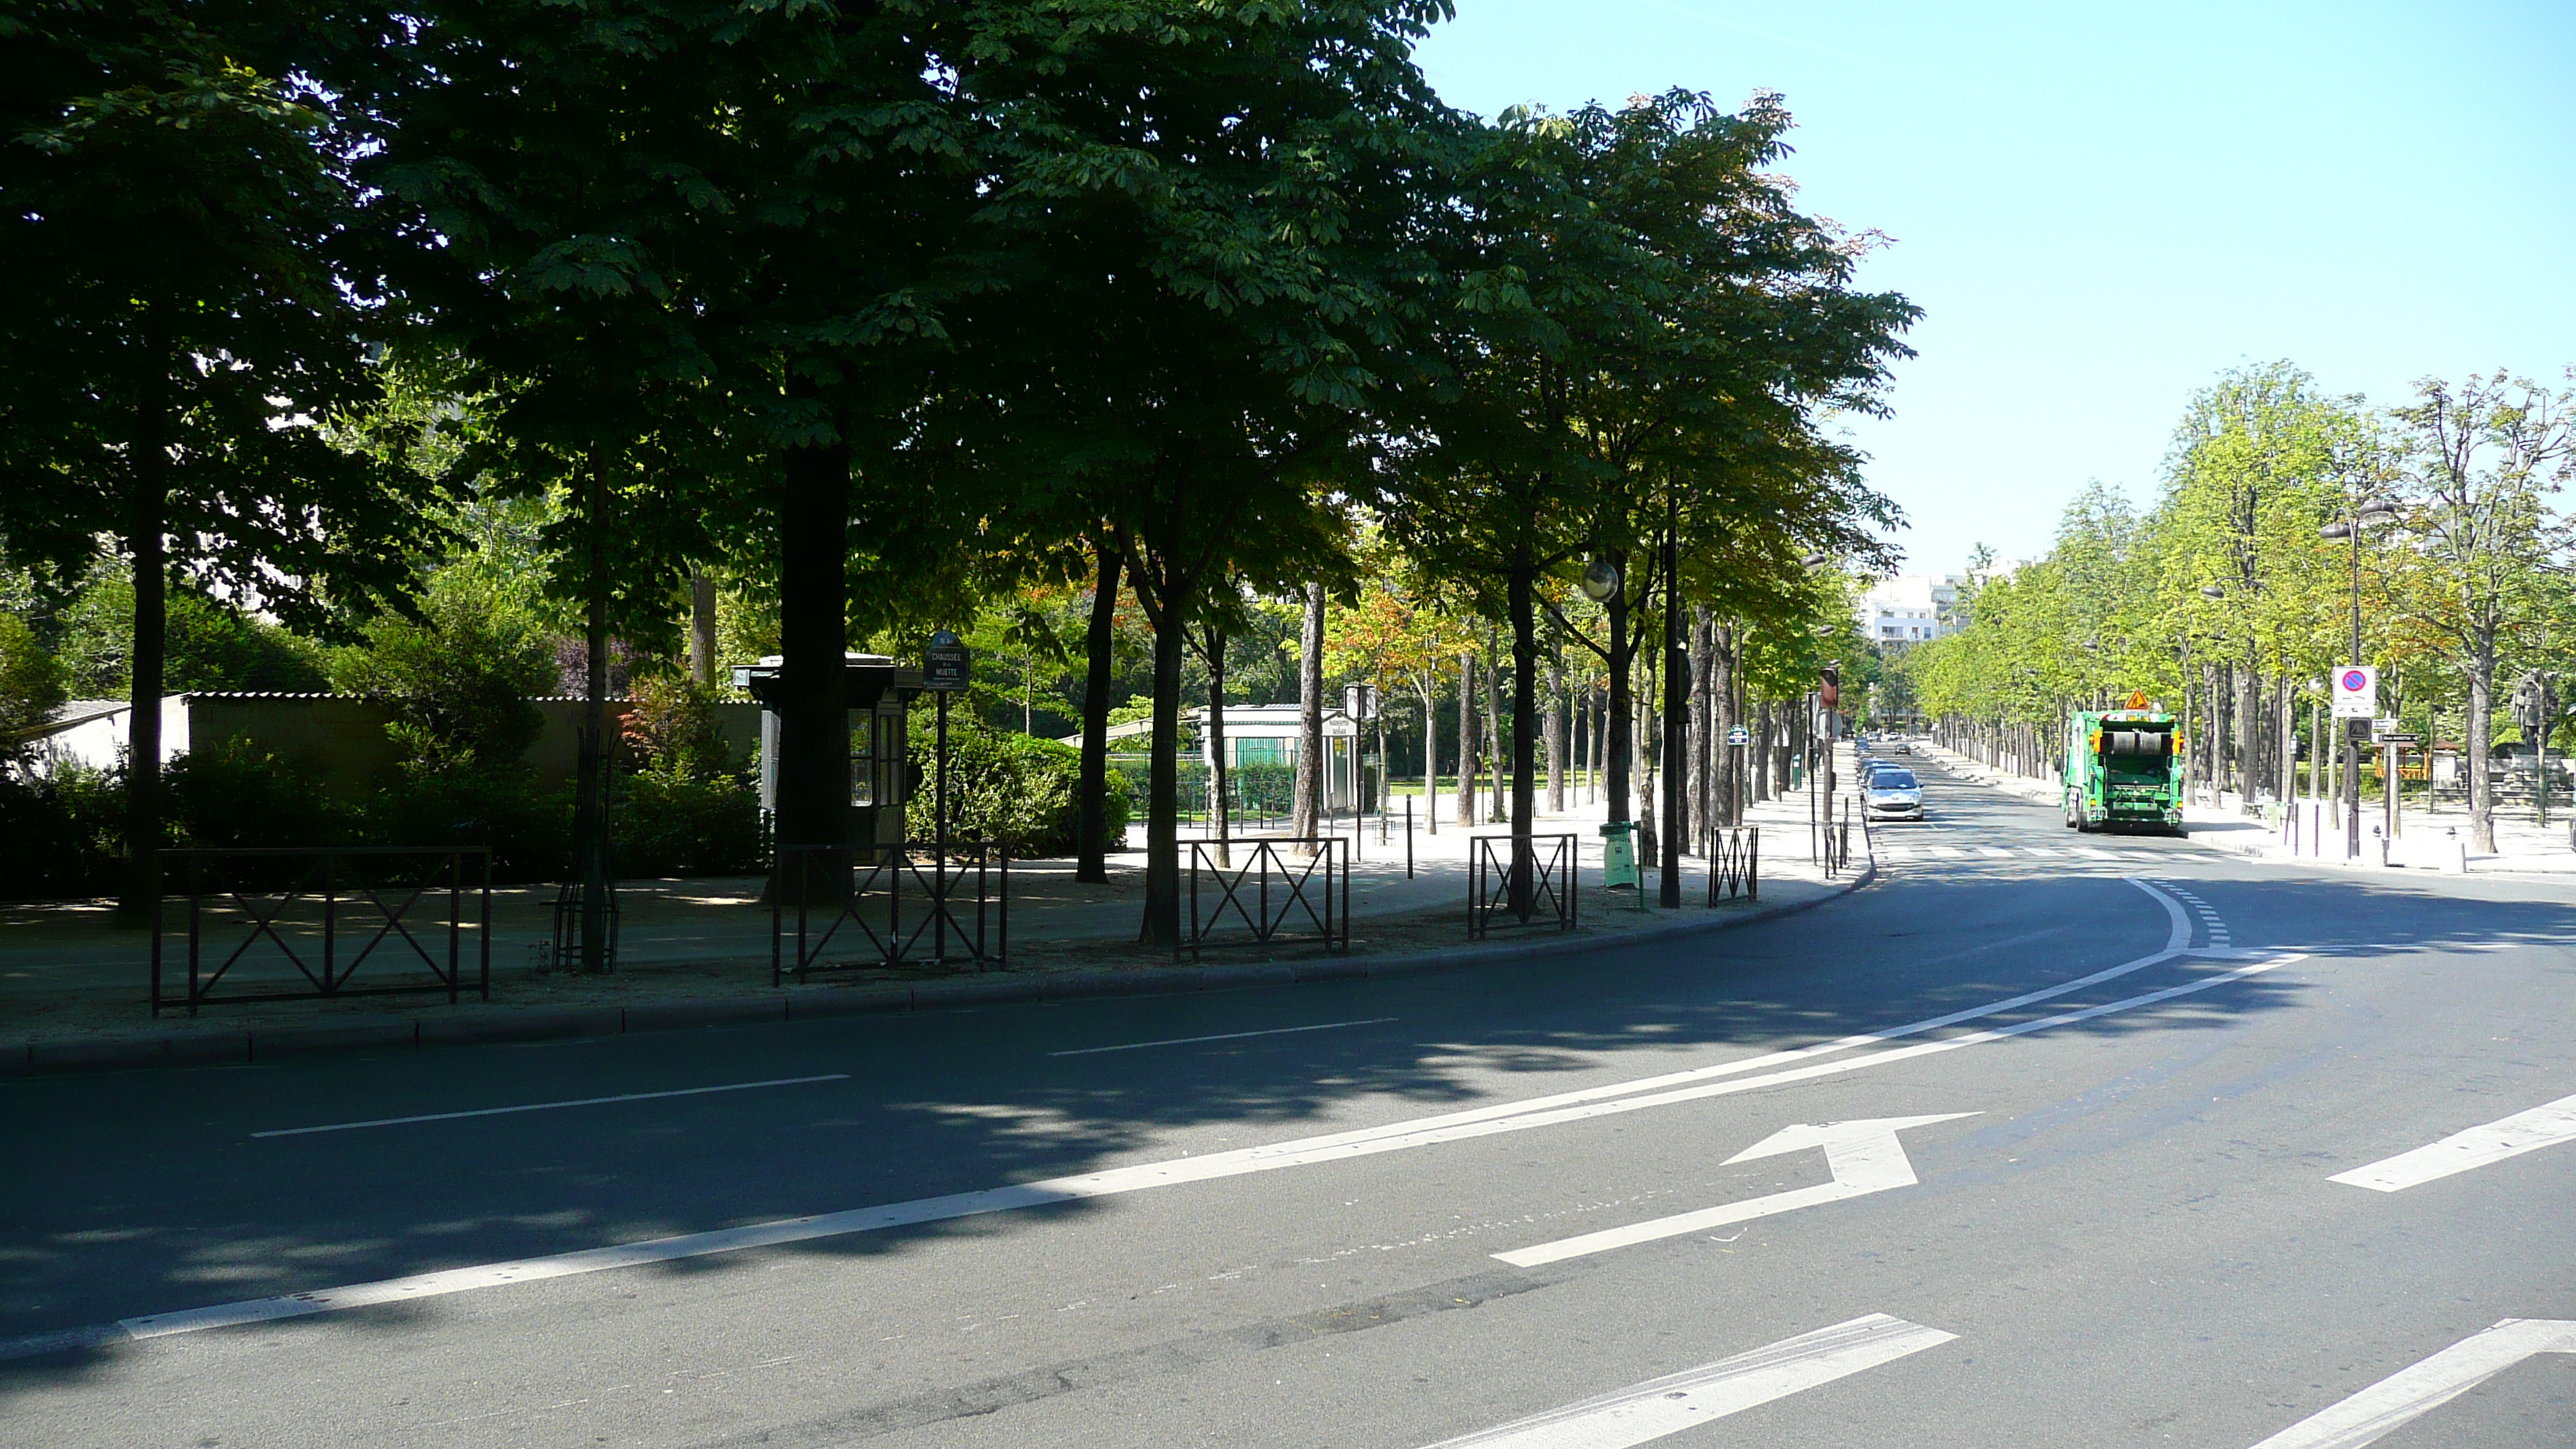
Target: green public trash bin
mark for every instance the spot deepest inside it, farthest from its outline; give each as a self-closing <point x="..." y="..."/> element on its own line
<point x="1619" y="854"/>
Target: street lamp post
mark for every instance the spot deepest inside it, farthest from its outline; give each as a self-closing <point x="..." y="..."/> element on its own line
<point x="2369" y="513"/>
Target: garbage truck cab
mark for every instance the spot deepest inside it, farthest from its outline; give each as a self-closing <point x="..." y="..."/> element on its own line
<point x="2124" y="767"/>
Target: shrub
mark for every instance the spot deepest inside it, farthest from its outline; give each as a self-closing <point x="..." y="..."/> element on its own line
<point x="236" y="794"/>
<point x="667" y="821"/>
<point x="459" y="682"/>
<point x="1020" y="790"/>
<point x="671" y="725"/>
<point x="62" y="833"/>
<point x="529" y="831"/>
<point x="31" y="684"/>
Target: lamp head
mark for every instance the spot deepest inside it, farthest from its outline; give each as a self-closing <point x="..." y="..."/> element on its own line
<point x="1600" y="580"/>
<point x="2339" y="529"/>
<point x="2376" y="511"/>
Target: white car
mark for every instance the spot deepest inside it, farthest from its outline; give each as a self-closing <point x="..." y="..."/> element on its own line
<point x="1892" y="794"/>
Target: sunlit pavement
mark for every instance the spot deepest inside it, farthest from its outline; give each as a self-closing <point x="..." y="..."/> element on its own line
<point x="2017" y="1146"/>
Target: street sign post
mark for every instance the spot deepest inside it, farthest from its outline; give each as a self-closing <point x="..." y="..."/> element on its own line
<point x="2356" y="692"/>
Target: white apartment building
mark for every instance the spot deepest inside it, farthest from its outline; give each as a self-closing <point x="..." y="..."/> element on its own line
<point x="1911" y="608"/>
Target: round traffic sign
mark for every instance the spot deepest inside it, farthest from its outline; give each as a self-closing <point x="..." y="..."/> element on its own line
<point x="2354" y="681"/>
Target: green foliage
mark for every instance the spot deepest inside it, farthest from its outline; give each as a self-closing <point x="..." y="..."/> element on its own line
<point x="668" y="821"/>
<point x="458" y="679"/>
<point x="207" y="644"/>
<point x="31" y="684"/>
<point x="671" y="726"/>
<point x="1013" y="788"/>
<point x="236" y="794"/>
<point x="529" y="831"/>
<point x="61" y="833"/>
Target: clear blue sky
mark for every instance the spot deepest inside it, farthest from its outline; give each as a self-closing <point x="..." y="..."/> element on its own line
<point x="2100" y="208"/>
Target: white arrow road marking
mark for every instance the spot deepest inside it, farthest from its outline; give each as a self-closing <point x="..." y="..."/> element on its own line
<point x="1675" y="1402"/>
<point x="1865" y="1157"/>
<point x="2543" y="1126"/>
<point x="1611" y="1098"/>
<point x="2409" y="1393"/>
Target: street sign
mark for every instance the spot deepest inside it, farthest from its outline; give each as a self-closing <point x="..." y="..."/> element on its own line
<point x="945" y="664"/>
<point x="2356" y="692"/>
<point x="1739" y="736"/>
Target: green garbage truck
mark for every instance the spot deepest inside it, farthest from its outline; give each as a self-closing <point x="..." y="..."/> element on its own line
<point x="2124" y="767"/>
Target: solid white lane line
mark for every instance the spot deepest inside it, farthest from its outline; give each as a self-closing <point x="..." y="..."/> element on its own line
<point x="1422" y="1131"/>
<point x="1645" y="1412"/>
<point x="2546" y="1125"/>
<point x="1137" y="1046"/>
<point x="549" y="1106"/>
<point x="2410" y="1393"/>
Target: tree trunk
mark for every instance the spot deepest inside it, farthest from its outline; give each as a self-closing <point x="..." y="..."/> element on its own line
<point x="1496" y="815"/>
<point x="148" y="508"/>
<point x="702" y="628"/>
<point x="1556" y="723"/>
<point x="1467" y="740"/>
<point x="1520" y="590"/>
<point x="590" y="819"/>
<point x="1308" y="817"/>
<point x="1162" y="923"/>
<point x="813" y="632"/>
<point x="1676" y="721"/>
<point x="2480" y="728"/>
<point x="1641" y="744"/>
<point x="1430" y="752"/>
<point x="1703" y="754"/>
<point x="1723" y="716"/>
<point x="1620" y="735"/>
<point x="1091" y="848"/>
<point x="1218" y="807"/>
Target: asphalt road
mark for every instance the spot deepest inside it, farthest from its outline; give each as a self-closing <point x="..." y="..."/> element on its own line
<point x="1390" y="1214"/>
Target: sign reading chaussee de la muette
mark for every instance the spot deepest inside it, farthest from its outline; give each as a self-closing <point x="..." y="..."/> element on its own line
<point x="945" y="664"/>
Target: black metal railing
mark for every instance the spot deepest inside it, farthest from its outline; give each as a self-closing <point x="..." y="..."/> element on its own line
<point x="871" y="907"/>
<point x="329" y="914"/>
<point x="1279" y="890"/>
<point x="1735" y="864"/>
<point x="1549" y="897"/>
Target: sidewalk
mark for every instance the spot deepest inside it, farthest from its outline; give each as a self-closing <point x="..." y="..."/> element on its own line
<point x="73" y="986"/>
<point x="2428" y="838"/>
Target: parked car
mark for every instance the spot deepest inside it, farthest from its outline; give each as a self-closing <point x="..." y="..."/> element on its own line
<point x="1889" y="793"/>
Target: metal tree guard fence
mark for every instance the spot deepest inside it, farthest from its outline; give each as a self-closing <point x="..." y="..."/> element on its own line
<point x="1735" y="864"/>
<point x="887" y="906"/>
<point x="1837" y="842"/>
<point x="1553" y="888"/>
<point x="566" y="947"/>
<point x="1268" y="885"/>
<point x="308" y="906"/>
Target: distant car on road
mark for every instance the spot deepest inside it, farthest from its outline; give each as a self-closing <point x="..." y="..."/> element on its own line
<point x="1889" y="793"/>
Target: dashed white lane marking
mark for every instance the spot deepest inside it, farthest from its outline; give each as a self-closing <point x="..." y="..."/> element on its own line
<point x="1645" y="1412"/>
<point x="2546" y="1125"/>
<point x="1996" y="851"/>
<point x="1582" y="1105"/>
<point x="550" y="1106"/>
<point x="2410" y="1393"/>
<point x="1137" y="1046"/>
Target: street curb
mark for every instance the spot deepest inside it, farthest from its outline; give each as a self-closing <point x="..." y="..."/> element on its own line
<point x="268" y="1044"/>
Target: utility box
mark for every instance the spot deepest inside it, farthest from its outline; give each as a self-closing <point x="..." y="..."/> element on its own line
<point x="878" y="692"/>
